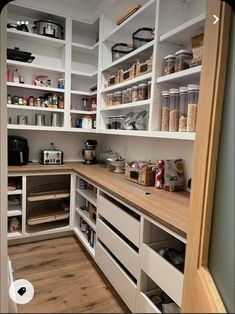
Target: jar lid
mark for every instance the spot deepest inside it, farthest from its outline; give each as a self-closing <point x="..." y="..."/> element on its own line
<point x="183" y="89"/>
<point x="174" y="91"/>
<point x="183" y="52"/>
<point x="193" y="87"/>
<point x="169" y="57"/>
<point x="165" y="93"/>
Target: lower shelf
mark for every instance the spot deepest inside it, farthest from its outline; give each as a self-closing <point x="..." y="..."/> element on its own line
<point x="48" y="227"/>
<point x="84" y="241"/>
<point x="14" y="235"/>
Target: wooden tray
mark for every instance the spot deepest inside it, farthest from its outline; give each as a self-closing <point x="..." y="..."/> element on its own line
<point x="128" y="13"/>
<point x="44" y="215"/>
<point x="50" y="195"/>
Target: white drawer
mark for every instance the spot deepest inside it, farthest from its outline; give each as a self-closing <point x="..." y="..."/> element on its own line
<point x="126" y="255"/>
<point x="145" y="305"/>
<point x="125" y="223"/>
<point x="165" y="275"/>
<point x="121" y="282"/>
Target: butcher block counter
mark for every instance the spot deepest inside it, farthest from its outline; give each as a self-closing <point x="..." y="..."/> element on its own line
<point x="168" y="208"/>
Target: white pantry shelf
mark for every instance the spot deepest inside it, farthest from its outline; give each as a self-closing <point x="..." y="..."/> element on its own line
<point x="83" y="239"/>
<point x="80" y="130"/>
<point x="35" y="38"/>
<point x="20" y="107"/>
<point x="79" y="92"/>
<point x="88" y="195"/>
<point x="137" y="104"/>
<point x="93" y="50"/>
<point x="190" y="75"/>
<point x="34" y="127"/>
<point x="28" y="86"/>
<point x="128" y="58"/>
<point x="183" y="33"/>
<point x="127" y="83"/>
<point x="14" y="192"/>
<point x="78" y="73"/>
<point x="14" y="213"/>
<point x="34" y="66"/>
<point x="82" y="112"/>
<point x="85" y="215"/>
<point x="14" y="235"/>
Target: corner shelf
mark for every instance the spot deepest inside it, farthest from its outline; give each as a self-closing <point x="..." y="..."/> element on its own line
<point x="90" y="49"/>
<point x="84" y="241"/>
<point x="28" y="86"/>
<point x="88" y="195"/>
<point x="78" y="73"/>
<point x="85" y="215"/>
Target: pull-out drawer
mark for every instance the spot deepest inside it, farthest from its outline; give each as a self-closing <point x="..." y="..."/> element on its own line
<point x="145" y="305"/>
<point x="121" y="282"/>
<point x="165" y="275"/>
<point x="127" y="256"/>
<point x="120" y="219"/>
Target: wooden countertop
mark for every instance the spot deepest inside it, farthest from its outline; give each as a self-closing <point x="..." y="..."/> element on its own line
<point x="169" y="208"/>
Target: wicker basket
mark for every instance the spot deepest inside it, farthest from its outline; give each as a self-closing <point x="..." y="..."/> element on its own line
<point x="144" y="176"/>
<point x="144" y="67"/>
<point x="128" y="74"/>
<point x="114" y="79"/>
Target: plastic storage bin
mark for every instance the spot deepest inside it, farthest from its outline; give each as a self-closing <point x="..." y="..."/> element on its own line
<point x="165" y="110"/>
<point x="142" y="36"/>
<point x="183" y="60"/>
<point x="169" y="64"/>
<point x="120" y="50"/>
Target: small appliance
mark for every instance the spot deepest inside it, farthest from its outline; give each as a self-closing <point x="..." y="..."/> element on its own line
<point x="51" y="156"/>
<point x="89" y="153"/>
<point x="18" y="151"/>
<point x="48" y="28"/>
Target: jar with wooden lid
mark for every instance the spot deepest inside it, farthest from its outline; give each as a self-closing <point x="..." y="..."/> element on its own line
<point x="135" y="94"/>
<point x="183" y="60"/>
<point x="183" y="114"/>
<point x="193" y="93"/>
<point x="142" y="91"/>
<point x="169" y="64"/>
<point x="110" y="99"/>
<point x="165" y="110"/>
<point x="174" y="110"/>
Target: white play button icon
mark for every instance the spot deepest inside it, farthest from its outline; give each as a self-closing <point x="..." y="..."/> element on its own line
<point x="21" y="291"/>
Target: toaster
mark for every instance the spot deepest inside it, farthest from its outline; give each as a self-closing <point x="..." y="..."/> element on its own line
<point x="51" y="157"/>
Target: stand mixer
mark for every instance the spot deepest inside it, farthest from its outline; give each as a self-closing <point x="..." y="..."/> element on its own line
<point x="89" y="152"/>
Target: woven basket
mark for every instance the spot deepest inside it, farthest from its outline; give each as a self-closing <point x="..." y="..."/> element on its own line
<point x="114" y="79"/>
<point x="144" y="67"/>
<point x="144" y="176"/>
<point x="128" y="74"/>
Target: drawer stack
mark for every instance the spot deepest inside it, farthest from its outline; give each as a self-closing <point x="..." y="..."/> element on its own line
<point x="117" y="251"/>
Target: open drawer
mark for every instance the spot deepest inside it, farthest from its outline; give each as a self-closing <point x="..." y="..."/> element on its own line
<point x="121" y="217"/>
<point x="169" y="278"/>
<point x="117" y="276"/>
<point x="127" y="255"/>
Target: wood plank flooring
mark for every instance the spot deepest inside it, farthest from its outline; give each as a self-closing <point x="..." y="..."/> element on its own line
<point x="65" y="278"/>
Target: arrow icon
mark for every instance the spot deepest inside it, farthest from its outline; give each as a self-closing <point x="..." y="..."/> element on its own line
<point x="216" y="19"/>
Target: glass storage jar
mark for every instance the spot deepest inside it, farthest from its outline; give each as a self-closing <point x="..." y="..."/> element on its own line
<point x="110" y="99"/>
<point x="193" y="93"/>
<point x="120" y="122"/>
<point x="183" y="60"/>
<point x="129" y="95"/>
<point x="108" y="121"/>
<point x="174" y="110"/>
<point x="165" y="110"/>
<point x="117" y="98"/>
<point x="169" y="64"/>
<point x="135" y="94"/>
<point x="149" y="89"/>
<point x="124" y="96"/>
<point x="114" y="122"/>
<point x="183" y="109"/>
<point x="143" y="91"/>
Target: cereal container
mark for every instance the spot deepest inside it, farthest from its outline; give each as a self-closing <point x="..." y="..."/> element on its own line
<point x="183" y="109"/>
<point x="174" y="110"/>
<point x="193" y="93"/>
<point x="165" y="110"/>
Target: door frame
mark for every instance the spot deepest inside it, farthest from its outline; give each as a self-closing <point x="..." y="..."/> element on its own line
<point x="200" y="294"/>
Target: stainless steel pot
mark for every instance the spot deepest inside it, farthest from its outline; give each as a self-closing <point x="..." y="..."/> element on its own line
<point x="48" y="28"/>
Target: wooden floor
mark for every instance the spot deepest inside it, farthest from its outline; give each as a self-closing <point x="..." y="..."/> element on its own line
<point x="65" y="278"/>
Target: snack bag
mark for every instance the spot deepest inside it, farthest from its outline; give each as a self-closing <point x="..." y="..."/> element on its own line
<point x="174" y="175"/>
<point x="159" y="179"/>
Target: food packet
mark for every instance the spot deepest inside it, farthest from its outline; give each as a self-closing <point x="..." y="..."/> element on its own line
<point x="174" y="175"/>
<point x="197" y="49"/>
<point x="159" y="179"/>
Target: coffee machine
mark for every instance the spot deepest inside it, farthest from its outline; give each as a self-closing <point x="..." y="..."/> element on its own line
<point x="89" y="152"/>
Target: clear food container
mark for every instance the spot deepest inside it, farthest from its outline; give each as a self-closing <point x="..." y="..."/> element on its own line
<point x="169" y="64"/>
<point x="135" y="94"/>
<point x="114" y="122"/>
<point x="183" y="114"/>
<point x="193" y="93"/>
<point x="117" y="98"/>
<point x="143" y="91"/>
<point x="165" y="110"/>
<point x="110" y="99"/>
<point x="129" y="95"/>
<point x="174" y="110"/>
<point x="183" y="60"/>
<point x="120" y="122"/>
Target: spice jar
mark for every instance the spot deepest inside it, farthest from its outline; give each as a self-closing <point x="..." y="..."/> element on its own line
<point x="20" y="101"/>
<point x="174" y="110"/>
<point x="9" y="99"/>
<point x="165" y="110"/>
<point x="24" y="101"/>
<point x="149" y="89"/>
<point x="31" y="101"/>
<point x="169" y="64"/>
<point x="117" y="98"/>
<point x="129" y="95"/>
<point x="120" y="122"/>
<point x="183" y="60"/>
<point x="183" y="109"/>
<point x="143" y="91"/>
<point x="110" y="99"/>
<point x="54" y="101"/>
<point x="61" y="102"/>
<point x="135" y="94"/>
<point x="193" y="93"/>
<point x="108" y="121"/>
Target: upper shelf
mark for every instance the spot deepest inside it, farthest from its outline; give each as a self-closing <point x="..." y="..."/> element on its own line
<point x="34" y="66"/>
<point x="35" y="38"/>
<point x="79" y="73"/>
<point x="28" y="86"/>
<point x="93" y="50"/>
<point x="145" y="15"/>
<point x="189" y="76"/>
<point x="181" y="34"/>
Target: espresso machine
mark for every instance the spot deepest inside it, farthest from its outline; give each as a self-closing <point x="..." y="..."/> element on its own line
<point x="89" y="152"/>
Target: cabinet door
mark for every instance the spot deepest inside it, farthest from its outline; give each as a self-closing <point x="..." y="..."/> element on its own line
<point x="201" y="291"/>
